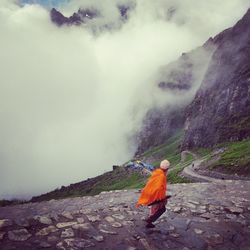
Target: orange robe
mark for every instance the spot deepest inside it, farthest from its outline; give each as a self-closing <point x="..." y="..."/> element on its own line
<point x="155" y="189"/>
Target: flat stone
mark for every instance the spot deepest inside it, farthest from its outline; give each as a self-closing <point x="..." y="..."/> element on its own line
<point x="128" y="223"/>
<point x="207" y="215"/>
<point x="145" y="244"/>
<point x="86" y="211"/>
<point x="104" y="229"/>
<point x="67" y="215"/>
<point x="52" y="238"/>
<point x="83" y="226"/>
<point x="79" y="243"/>
<point x="43" y="219"/>
<point x="177" y="210"/>
<point x="22" y="222"/>
<point x="202" y="207"/>
<point x="109" y="219"/>
<point x="44" y="244"/>
<point x="200" y="211"/>
<point x="196" y="211"/>
<point x="60" y="246"/>
<point x="67" y="233"/>
<point x="80" y="220"/>
<point x="234" y="210"/>
<point x="118" y="216"/>
<point x="212" y="208"/>
<point x="19" y="235"/>
<point x="116" y="224"/>
<point x="174" y="235"/>
<point x="5" y="223"/>
<point x="216" y="220"/>
<point x="194" y="202"/>
<point x="66" y="224"/>
<point x="242" y="221"/>
<point x="2" y="235"/>
<point x="214" y="239"/>
<point x="93" y="218"/>
<point x="190" y="205"/>
<point x="198" y="231"/>
<point x="115" y="209"/>
<point x="98" y="238"/>
<point x="171" y="228"/>
<point x="231" y="216"/>
<point x="46" y="231"/>
<point x="131" y="248"/>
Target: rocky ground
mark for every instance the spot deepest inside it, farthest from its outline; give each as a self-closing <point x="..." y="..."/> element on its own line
<point x="199" y="216"/>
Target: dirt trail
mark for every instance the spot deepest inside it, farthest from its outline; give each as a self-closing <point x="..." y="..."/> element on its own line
<point x="194" y="171"/>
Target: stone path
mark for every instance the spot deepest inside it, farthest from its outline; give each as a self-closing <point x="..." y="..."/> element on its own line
<point x="191" y="172"/>
<point x="196" y="173"/>
<point x="199" y="216"/>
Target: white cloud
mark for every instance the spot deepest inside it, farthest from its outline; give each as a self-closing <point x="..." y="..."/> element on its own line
<point x="69" y="99"/>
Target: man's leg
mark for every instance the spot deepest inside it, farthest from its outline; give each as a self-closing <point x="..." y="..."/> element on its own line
<point x="155" y="212"/>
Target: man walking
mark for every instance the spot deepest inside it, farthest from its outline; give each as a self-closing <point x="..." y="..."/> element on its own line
<point x="154" y="193"/>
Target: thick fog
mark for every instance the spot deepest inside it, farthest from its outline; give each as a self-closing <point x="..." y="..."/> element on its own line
<point x="70" y="98"/>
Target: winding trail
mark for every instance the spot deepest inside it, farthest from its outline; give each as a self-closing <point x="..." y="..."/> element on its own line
<point x="191" y="171"/>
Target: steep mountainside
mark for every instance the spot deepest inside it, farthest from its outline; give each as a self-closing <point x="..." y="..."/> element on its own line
<point x="220" y="110"/>
<point x="217" y="77"/>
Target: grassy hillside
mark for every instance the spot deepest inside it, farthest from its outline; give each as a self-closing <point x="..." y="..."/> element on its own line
<point x="235" y="158"/>
<point x="169" y="150"/>
<point x="120" y="178"/>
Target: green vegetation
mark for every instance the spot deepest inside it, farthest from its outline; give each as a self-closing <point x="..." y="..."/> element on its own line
<point x="174" y="174"/>
<point x="189" y="158"/>
<point x="169" y="150"/>
<point x="235" y="159"/>
<point x="203" y="152"/>
<point x="120" y="178"/>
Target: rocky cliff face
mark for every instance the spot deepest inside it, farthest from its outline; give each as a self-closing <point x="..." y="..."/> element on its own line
<point x="216" y="80"/>
<point x="158" y="126"/>
<point x="180" y="79"/>
<point x="220" y="110"/>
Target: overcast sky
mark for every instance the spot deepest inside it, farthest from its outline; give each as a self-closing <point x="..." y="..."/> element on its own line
<point x="70" y="99"/>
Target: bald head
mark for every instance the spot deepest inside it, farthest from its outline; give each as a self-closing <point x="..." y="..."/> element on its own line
<point x="164" y="164"/>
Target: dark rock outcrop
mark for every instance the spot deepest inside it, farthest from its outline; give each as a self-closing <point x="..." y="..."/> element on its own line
<point x="76" y="19"/>
<point x="220" y="110"/>
<point x="84" y="15"/>
<point x="159" y="125"/>
<point x="216" y="77"/>
<point x="180" y="79"/>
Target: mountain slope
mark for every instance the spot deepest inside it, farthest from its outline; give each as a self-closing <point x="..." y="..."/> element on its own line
<point x="219" y="74"/>
<point x="220" y="110"/>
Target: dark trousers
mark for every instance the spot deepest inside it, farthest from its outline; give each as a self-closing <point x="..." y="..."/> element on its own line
<point x="156" y="211"/>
